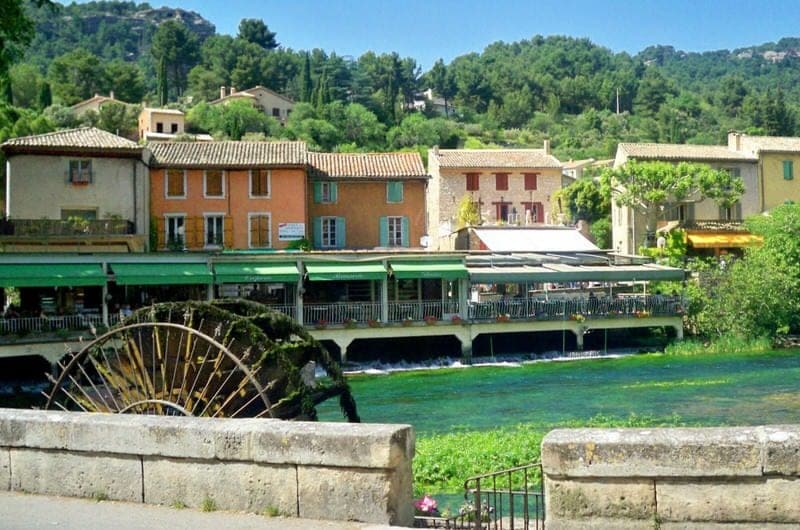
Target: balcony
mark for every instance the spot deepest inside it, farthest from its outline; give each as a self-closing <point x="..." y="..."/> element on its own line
<point x="40" y="228"/>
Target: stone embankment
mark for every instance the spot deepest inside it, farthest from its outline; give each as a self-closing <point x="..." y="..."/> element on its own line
<point x="744" y="477"/>
<point x="334" y="471"/>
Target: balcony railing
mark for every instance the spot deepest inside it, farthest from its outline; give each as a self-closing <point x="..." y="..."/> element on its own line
<point x="57" y="227"/>
<point x="24" y="325"/>
<point x="341" y="313"/>
<point x="577" y="308"/>
<point x="399" y="311"/>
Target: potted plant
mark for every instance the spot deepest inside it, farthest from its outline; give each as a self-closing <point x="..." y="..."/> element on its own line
<point x="426" y="507"/>
<point x="350" y="323"/>
<point x="456" y="319"/>
<point x="577" y="317"/>
<point x="321" y="324"/>
<point x="503" y="317"/>
<point x="430" y="320"/>
<point x="373" y="323"/>
<point x="407" y="321"/>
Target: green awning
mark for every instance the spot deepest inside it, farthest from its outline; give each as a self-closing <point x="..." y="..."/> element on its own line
<point x="161" y="273"/>
<point x="446" y="269"/>
<point x="255" y="272"/>
<point x="559" y="273"/>
<point x="51" y="275"/>
<point x="345" y="271"/>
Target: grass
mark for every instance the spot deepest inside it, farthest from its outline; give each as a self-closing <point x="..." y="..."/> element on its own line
<point x="99" y="496"/>
<point x="208" y="505"/>
<point x="444" y="461"/>
<point x="179" y="505"/>
<point x="271" y="511"/>
<point x="725" y="344"/>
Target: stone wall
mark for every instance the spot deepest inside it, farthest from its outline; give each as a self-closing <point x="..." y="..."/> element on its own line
<point x="744" y="477"/>
<point x="337" y="471"/>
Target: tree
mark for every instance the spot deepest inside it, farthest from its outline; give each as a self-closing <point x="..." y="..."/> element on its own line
<point x="584" y="199"/>
<point x="126" y="80"/>
<point x="648" y="187"/>
<point x="233" y="119"/>
<point x="654" y="89"/>
<point x="174" y="49"/>
<point x="77" y="75"/>
<point x="306" y="84"/>
<point x="25" y="82"/>
<point x="256" y="31"/>
<point x="468" y="213"/>
<point x="356" y="124"/>
<point x="45" y="98"/>
<point x="16" y="32"/>
<point x="442" y="83"/>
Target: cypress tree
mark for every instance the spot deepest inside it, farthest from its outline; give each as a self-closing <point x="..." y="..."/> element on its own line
<point x="163" y="87"/>
<point x="7" y="95"/>
<point x="306" y="85"/>
<point x="45" y="96"/>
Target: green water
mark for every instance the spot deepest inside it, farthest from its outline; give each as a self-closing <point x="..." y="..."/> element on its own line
<point x="737" y="389"/>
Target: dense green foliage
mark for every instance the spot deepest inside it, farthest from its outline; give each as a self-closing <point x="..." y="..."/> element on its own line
<point x="444" y="461"/>
<point x="584" y="97"/>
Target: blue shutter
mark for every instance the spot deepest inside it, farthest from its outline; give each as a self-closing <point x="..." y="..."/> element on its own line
<point x="788" y="170"/>
<point x="317" y="232"/>
<point x="383" y="228"/>
<point x="405" y="232"/>
<point x="334" y="192"/>
<point x="317" y="192"/>
<point x="394" y="191"/>
<point x="340" y="232"/>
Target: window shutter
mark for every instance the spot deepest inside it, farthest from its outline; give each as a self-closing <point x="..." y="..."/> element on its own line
<point x="539" y="212"/>
<point x="737" y="211"/>
<point x="317" y="192"/>
<point x="690" y="211"/>
<point x="530" y="181"/>
<point x="788" y="170"/>
<point x="227" y="231"/>
<point x="394" y="191"/>
<point x="384" y="232"/>
<point x="405" y="232"/>
<point x="334" y="192"/>
<point x="340" y="235"/>
<point x="317" y="231"/>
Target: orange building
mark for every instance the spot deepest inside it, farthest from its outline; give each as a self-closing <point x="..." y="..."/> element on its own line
<point x="366" y="200"/>
<point x="239" y="195"/>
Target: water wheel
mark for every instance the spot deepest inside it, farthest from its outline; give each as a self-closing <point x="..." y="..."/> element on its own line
<point x="225" y="359"/>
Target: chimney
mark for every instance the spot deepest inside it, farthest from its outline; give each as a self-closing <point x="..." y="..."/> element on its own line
<point x="435" y="150"/>
<point x="546" y="147"/>
<point x="111" y="94"/>
<point x="734" y="140"/>
<point x="222" y="92"/>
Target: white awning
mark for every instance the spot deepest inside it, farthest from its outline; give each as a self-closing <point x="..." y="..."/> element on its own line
<point x="534" y="240"/>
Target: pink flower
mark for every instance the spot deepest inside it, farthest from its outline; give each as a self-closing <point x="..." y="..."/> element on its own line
<point x="426" y="505"/>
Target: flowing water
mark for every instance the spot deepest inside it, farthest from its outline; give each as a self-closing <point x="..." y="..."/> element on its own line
<point x="734" y="389"/>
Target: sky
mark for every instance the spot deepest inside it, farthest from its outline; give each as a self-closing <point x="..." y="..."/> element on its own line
<point x="432" y="29"/>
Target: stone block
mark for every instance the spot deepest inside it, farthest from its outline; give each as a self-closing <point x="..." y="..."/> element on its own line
<point x="769" y="500"/>
<point x="599" y="523"/>
<point x="710" y="452"/>
<point x="70" y="474"/>
<point x="238" y="486"/>
<point x="782" y="450"/>
<point x="370" y="496"/>
<point x="5" y="469"/>
<point x="630" y="499"/>
<point x="685" y="525"/>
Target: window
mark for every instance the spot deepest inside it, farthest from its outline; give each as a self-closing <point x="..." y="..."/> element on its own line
<point x="501" y="181"/>
<point x="80" y="171"/>
<point x="260" y="230"/>
<point x="159" y="127"/>
<point x="530" y="181"/>
<point x="394" y="231"/>
<point x="731" y="213"/>
<point x="175" y="225"/>
<point x="394" y="191"/>
<point x="329" y="232"/>
<point x="276" y="112"/>
<point x="501" y="210"/>
<point x="473" y="181"/>
<point x="175" y="184"/>
<point x="325" y="192"/>
<point x="259" y="182"/>
<point x="215" y="230"/>
<point x="214" y="183"/>
<point x="536" y="212"/>
<point x="173" y="128"/>
<point x="788" y="170"/>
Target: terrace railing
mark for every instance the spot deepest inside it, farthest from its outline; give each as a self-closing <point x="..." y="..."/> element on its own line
<point x="287" y="309"/>
<point x="57" y="227"/>
<point x="571" y="308"/>
<point x="341" y="313"/>
<point x="54" y="323"/>
<point x="415" y="310"/>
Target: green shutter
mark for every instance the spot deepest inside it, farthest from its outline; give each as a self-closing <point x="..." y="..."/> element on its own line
<point x="340" y="232"/>
<point x="405" y="232"/>
<point x="788" y="170"/>
<point x="384" y="232"/>
<point x="317" y="192"/>
<point x="317" y="232"/>
<point x="394" y="191"/>
<point x="334" y="192"/>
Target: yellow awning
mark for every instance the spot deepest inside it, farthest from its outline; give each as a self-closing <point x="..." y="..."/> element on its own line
<point x="710" y="240"/>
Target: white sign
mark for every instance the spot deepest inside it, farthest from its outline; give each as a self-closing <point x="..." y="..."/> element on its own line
<point x="291" y="231"/>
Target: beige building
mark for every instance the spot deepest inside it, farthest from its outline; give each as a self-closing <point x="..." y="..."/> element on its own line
<point x="161" y="124"/>
<point x="509" y="186"/>
<point x="94" y="103"/>
<point x="628" y="226"/>
<point x="79" y="178"/>
<point x="778" y="156"/>
<point x="268" y="101"/>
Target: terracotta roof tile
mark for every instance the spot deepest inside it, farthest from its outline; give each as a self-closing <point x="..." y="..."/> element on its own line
<point x="84" y="138"/>
<point x="228" y="154"/>
<point x="496" y="158"/>
<point x="366" y="165"/>
<point x="782" y="144"/>
<point x="683" y="152"/>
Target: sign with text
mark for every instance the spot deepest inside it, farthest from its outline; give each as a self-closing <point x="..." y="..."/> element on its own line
<point x="291" y="231"/>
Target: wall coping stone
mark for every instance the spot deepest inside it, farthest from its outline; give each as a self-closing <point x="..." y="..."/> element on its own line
<point x="264" y="441"/>
<point x="673" y="452"/>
